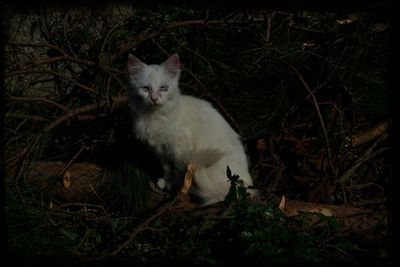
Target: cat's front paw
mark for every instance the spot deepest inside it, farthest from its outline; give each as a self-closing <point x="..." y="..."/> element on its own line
<point x="159" y="186"/>
<point x="162" y="184"/>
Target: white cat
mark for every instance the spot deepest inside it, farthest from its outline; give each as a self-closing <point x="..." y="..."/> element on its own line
<point x="182" y="129"/>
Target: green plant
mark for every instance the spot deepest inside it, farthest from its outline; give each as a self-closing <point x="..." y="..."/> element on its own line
<point x="237" y="190"/>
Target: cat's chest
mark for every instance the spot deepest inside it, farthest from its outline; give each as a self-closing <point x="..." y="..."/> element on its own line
<point x="163" y="133"/>
<point x="148" y="127"/>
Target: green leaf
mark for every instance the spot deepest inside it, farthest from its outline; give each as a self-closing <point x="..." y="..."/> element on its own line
<point x="235" y="178"/>
<point x="242" y="192"/>
<point x="228" y="172"/>
<point x="240" y="183"/>
<point x="231" y="196"/>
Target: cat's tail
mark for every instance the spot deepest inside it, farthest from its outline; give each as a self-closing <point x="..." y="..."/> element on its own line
<point x="205" y="157"/>
<point x="211" y="183"/>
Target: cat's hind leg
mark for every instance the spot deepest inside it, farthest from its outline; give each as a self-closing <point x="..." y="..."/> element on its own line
<point x="173" y="177"/>
<point x="168" y="167"/>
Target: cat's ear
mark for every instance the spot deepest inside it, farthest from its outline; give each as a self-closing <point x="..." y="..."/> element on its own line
<point x="134" y="65"/>
<point x="172" y="65"/>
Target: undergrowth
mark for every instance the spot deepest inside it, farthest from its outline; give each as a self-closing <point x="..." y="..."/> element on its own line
<point x="241" y="231"/>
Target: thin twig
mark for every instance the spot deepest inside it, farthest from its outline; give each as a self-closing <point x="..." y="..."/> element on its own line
<point x="145" y="35"/>
<point x="64" y="56"/>
<point x="23" y="156"/>
<point x="108" y="88"/>
<point x="97" y="195"/>
<point x="360" y="160"/>
<point x="72" y="114"/>
<point x="24" y="151"/>
<point x="341" y="251"/>
<point x="18" y="126"/>
<point x="26" y="116"/>
<point x="268" y="34"/>
<point x="72" y="160"/>
<point x="321" y="119"/>
<point x="90" y="107"/>
<point x="54" y="73"/>
<point x="210" y="68"/>
<point x="361" y="186"/>
<point x="38" y="45"/>
<point x="83" y="205"/>
<point x="204" y="22"/>
<point x="40" y="99"/>
<point x="74" y="82"/>
<point x="109" y="34"/>
<point x="143" y="226"/>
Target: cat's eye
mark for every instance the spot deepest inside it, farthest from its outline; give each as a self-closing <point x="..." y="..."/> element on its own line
<point x="145" y="88"/>
<point x="164" y="88"/>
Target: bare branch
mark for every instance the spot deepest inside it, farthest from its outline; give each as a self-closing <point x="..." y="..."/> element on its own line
<point x="35" y="99"/>
<point x="54" y="73"/>
<point x="143" y="36"/>
<point x="370" y="134"/>
<point x="23" y="152"/>
<point x="366" y="155"/>
<point x="64" y="58"/>
<point x="26" y="116"/>
<point x="195" y="22"/>
<point x="38" y="45"/>
<point x="74" y="82"/>
<point x="109" y="34"/>
<point x="53" y="59"/>
<point x="90" y="107"/>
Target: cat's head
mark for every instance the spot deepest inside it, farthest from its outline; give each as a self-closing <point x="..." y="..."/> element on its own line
<point x="154" y="85"/>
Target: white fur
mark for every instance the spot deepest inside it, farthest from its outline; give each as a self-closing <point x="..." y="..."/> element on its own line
<point x="161" y="183"/>
<point x="183" y="128"/>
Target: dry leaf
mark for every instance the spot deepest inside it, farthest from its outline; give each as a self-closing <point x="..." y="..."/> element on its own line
<point x="344" y="21"/>
<point x="187" y="184"/>
<point x="67" y="180"/>
<point x="379" y="27"/>
<point x="282" y="204"/>
<point x="294" y="207"/>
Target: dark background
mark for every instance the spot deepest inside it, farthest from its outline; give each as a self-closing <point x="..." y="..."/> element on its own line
<point x="266" y="68"/>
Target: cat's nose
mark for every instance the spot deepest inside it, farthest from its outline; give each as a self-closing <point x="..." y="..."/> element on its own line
<point x="154" y="99"/>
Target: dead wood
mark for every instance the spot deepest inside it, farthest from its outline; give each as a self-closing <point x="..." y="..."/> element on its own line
<point x="355" y="220"/>
<point x="366" y="155"/>
<point x="293" y="207"/>
<point x="75" y="183"/>
<point x="370" y="134"/>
